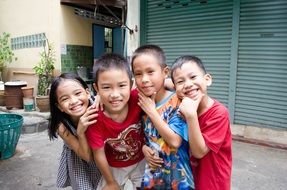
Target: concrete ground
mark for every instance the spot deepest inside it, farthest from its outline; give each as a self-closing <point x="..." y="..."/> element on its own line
<point x="34" y="166"/>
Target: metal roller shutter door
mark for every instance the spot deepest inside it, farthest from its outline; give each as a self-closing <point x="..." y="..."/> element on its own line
<point x="261" y="93"/>
<point x="201" y="28"/>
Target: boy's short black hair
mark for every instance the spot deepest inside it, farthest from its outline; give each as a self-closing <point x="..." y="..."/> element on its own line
<point x="154" y="50"/>
<point x="110" y="61"/>
<point x="183" y="59"/>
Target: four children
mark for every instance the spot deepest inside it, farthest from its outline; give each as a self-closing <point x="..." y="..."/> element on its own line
<point x="174" y="125"/>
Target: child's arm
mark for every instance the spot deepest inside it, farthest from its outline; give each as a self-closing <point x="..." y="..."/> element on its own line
<point x="188" y="108"/>
<point x="148" y="106"/>
<point x="79" y="143"/>
<point x="103" y="165"/>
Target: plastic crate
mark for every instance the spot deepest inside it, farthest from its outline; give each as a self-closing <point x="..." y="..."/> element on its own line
<point x="10" y="130"/>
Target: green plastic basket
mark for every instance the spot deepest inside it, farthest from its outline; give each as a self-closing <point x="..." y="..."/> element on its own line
<point x="10" y="130"/>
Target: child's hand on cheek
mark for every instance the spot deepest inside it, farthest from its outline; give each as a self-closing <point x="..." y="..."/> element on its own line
<point x="188" y="106"/>
<point x="97" y="104"/>
<point x="147" y="103"/>
<point x="89" y="118"/>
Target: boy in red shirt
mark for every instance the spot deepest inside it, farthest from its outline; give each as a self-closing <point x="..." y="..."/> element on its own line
<point x="117" y="138"/>
<point x="208" y="122"/>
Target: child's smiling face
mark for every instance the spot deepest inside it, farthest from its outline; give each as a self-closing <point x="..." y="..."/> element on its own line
<point x="114" y="88"/>
<point x="149" y="76"/>
<point x="72" y="98"/>
<point x="190" y="80"/>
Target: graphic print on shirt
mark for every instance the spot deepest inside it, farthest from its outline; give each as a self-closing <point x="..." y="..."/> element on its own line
<point x="125" y="147"/>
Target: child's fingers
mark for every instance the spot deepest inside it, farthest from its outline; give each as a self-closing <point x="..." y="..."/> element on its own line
<point x="155" y="162"/>
<point x="92" y="117"/>
<point x="92" y="122"/>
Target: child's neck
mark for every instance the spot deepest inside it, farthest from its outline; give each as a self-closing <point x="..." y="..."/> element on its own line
<point x="161" y="94"/>
<point x="204" y="105"/>
<point x="119" y="116"/>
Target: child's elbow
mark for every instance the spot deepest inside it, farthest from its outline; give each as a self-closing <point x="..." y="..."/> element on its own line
<point x="198" y="155"/>
<point x="175" y="144"/>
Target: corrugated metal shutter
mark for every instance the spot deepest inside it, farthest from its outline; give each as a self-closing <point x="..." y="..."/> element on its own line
<point x="201" y="28"/>
<point x="261" y="95"/>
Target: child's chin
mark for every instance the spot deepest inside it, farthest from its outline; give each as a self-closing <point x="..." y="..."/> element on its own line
<point x="148" y="94"/>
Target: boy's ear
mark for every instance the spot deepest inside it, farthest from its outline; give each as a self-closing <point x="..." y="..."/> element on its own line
<point x="166" y="71"/>
<point x="88" y="91"/>
<point x="133" y="84"/>
<point x="208" y="79"/>
<point x="95" y="87"/>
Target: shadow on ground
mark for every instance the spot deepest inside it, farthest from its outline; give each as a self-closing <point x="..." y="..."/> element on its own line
<point x="34" y="166"/>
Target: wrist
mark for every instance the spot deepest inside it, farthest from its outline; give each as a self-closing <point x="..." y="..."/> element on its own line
<point x="111" y="181"/>
<point x="81" y="134"/>
<point x="152" y="113"/>
<point x="191" y="115"/>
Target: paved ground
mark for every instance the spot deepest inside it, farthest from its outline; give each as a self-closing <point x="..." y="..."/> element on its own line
<point x="35" y="164"/>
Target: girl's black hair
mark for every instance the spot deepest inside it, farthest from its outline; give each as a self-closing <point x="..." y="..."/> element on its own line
<point x="57" y="116"/>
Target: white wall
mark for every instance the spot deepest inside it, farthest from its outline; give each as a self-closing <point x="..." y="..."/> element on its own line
<point x="133" y="20"/>
<point x="27" y="17"/>
<point x="75" y="30"/>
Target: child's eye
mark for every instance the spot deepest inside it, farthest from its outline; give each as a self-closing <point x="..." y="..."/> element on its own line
<point x="179" y="82"/>
<point x="137" y="74"/>
<point x="123" y="85"/>
<point x="150" y="72"/>
<point x="63" y="99"/>
<point x="193" y="76"/>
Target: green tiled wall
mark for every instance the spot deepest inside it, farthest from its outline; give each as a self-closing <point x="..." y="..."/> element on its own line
<point x="77" y="56"/>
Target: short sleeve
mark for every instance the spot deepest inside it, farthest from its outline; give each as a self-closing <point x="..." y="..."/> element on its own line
<point x="178" y="125"/>
<point x="94" y="137"/>
<point x="214" y="127"/>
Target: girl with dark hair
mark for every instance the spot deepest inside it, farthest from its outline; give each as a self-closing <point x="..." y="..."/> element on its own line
<point x="71" y="114"/>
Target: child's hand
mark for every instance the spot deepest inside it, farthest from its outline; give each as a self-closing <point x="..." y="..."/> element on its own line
<point x="151" y="157"/>
<point x="112" y="186"/>
<point x="189" y="106"/>
<point x="147" y="103"/>
<point x="168" y="84"/>
<point x="98" y="105"/>
<point x="89" y="118"/>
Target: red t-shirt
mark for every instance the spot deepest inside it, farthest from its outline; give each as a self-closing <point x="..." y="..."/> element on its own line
<point x="122" y="141"/>
<point x="213" y="171"/>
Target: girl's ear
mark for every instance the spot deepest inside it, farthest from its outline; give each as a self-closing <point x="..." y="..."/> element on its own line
<point x="208" y="79"/>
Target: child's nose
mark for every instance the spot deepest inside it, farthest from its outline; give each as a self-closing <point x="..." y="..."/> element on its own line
<point x="74" y="99"/>
<point x="114" y="94"/>
<point x="188" y="83"/>
<point x="145" y="78"/>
